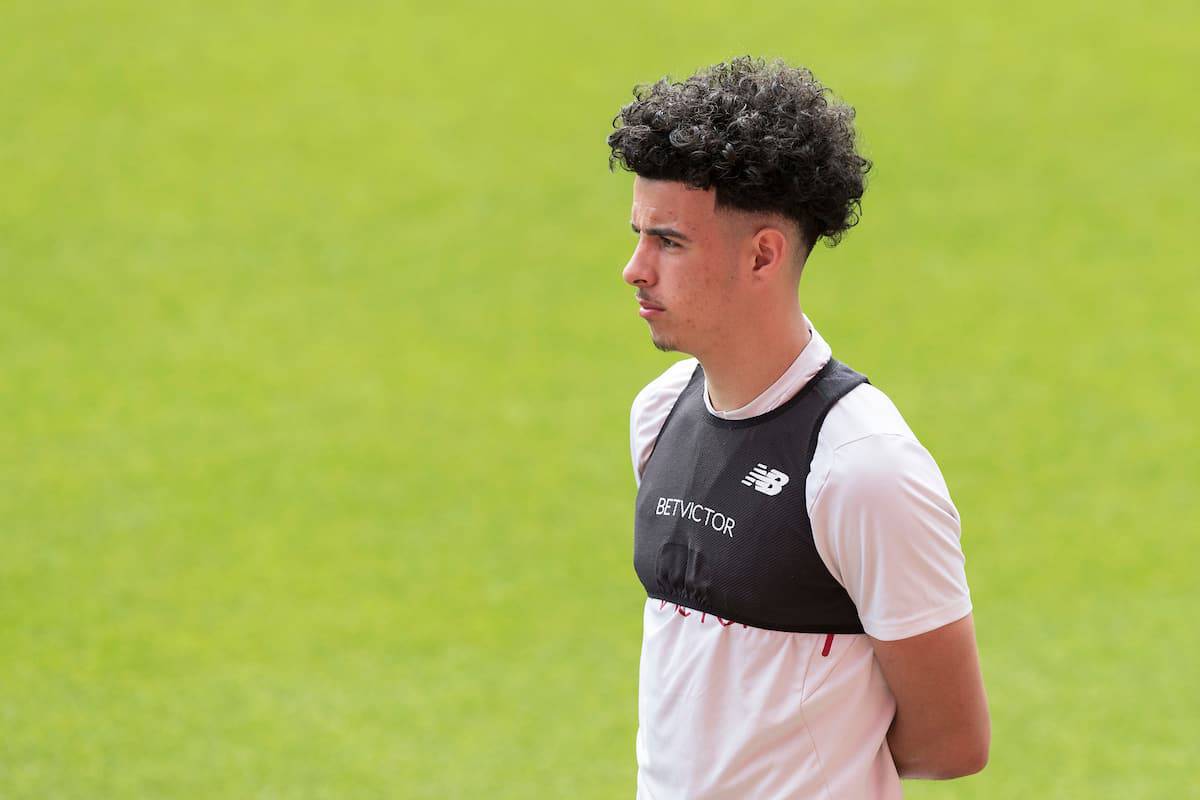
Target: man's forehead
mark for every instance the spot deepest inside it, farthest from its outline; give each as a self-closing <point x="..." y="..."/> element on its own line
<point x="670" y="203"/>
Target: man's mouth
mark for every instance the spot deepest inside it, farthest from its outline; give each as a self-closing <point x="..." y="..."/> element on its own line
<point x="648" y="310"/>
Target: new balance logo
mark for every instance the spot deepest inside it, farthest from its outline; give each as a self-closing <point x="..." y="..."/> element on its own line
<point x="765" y="480"/>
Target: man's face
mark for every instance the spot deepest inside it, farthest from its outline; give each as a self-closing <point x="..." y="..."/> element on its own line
<point x="685" y="263"/>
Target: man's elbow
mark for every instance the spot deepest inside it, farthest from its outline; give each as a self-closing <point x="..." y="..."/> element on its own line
<point x="968" y="759"/>
<point x="953" y="757"/>
<point x="969" y="764"/>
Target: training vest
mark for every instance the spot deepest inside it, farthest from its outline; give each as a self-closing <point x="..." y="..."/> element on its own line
<point x="721" y="522"/>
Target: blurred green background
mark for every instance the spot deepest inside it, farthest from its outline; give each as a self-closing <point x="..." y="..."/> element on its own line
<point x="317" y="364"/>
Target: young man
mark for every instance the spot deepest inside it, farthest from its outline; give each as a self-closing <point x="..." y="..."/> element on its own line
<point x="807" y="627"/>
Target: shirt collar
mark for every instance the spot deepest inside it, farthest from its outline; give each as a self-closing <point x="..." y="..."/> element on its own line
<point x="814" y="356"/>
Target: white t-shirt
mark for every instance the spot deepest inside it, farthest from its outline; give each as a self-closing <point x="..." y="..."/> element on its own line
<point x="729" y="711"/>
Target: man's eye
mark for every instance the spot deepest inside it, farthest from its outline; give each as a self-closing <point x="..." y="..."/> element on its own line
<point x="667" y="243"/>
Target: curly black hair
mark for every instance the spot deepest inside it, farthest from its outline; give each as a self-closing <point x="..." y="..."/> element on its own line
<point x="761" y="132"/>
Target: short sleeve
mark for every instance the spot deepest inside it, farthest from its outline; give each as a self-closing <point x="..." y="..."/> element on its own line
<point x="886" y="527"/>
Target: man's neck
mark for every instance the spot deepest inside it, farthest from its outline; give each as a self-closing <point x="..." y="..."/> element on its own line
<point x="744" y="369"/>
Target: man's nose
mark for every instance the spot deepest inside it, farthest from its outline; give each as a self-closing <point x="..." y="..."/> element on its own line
<point x="639" y="270"/>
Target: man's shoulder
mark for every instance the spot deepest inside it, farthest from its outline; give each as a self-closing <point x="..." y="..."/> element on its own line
<point x="651" y="407"/>
<point x="667" y="384"/>
<point x="864" y="446"/>
<point x="865" y="411"/>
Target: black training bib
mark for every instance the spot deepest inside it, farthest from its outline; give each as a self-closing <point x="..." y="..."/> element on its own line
<point x="721" y="522"/>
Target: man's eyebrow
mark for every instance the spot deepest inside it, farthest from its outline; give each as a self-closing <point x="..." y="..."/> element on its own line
<point x="670" y="233"/>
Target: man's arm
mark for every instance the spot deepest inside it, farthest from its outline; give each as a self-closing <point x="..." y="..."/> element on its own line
<point x="887" y="529"/>
<point x="941" y="729"/>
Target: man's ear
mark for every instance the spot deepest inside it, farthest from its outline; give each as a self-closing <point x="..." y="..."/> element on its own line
<point x="770" y="249"/>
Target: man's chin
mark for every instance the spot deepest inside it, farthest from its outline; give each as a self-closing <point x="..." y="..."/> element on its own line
<point x="664" y="344"/>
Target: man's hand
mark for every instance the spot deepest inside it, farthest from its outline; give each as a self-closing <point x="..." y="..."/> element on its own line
<point x="942" y="729"/>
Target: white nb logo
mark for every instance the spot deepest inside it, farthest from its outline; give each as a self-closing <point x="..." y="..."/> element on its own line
<point x="765" y="480"/>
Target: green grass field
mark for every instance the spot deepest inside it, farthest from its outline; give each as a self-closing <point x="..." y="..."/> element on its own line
<point x="317" y="364"/>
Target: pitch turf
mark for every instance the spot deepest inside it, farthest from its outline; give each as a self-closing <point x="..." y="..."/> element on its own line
<point x="314" y="479"/>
